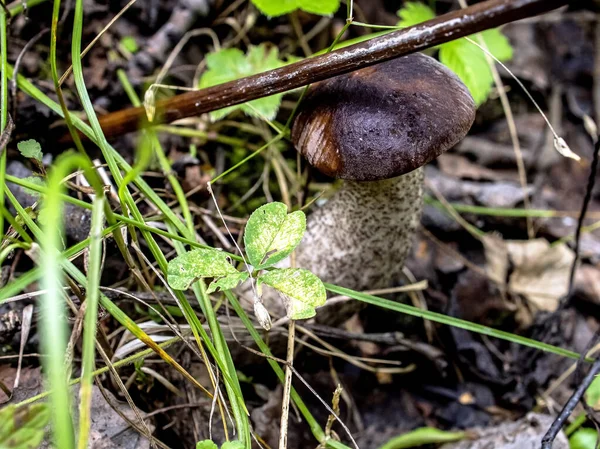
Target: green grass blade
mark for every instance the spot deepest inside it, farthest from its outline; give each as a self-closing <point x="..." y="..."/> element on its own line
<point x="110" y="307"/>
<point x="19" y="7"/>
<point x="221" y="353"/>
<point x="3" y="103"/>
<point x="90" y="322"/>
<point x="53" y="324"/>
<point x="451" y="321"/>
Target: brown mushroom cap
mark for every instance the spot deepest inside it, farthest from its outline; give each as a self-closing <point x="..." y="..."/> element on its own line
<point x="383" y="121"/>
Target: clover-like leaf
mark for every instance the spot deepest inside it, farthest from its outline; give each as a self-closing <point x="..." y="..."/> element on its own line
<point x="227" y="282"/>
<point x="302" y="290"/>
<point x="272" y="234"/>
<point x="199" y="263"/>
<point x="30" y="149"/>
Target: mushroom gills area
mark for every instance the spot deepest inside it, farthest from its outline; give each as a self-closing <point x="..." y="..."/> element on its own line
<point x="361" y="237"/>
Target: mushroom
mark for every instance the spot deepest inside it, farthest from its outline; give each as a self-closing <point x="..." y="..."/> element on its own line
<point x="375" y="128"/>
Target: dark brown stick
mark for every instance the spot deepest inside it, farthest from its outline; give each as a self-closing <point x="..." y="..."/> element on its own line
<point x="453" y="25"/>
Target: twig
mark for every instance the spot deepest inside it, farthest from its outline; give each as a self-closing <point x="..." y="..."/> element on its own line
<point x="584" y="208"/>
<point x="570" y="406"/>
<point x="595" y="369"/>
<point x="6" y="133"/>
<point x="447" y="27"/>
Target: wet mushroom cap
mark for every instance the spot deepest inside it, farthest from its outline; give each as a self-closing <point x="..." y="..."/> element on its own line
<point x="383" y="121"/>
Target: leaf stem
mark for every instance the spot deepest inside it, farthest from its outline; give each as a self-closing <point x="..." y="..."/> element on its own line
<point x="287" y="386"/>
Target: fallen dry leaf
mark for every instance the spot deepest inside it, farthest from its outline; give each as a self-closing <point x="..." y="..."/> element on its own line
<point x="532" y="268"/>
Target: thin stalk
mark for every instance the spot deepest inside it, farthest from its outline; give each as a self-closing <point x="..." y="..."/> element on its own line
<point x="97" y="130"/>
<point x="15" y="225"/>
<point x="287" y="386"/>
<point x="53" y="324"/>
<point x="189" y="132"/>
<point x="90" y="322"/>
<point x="12" y="247"/>
<point x="315" y="428"/>
<point x="123" y="362"/>
<point x="500" y="211"/>
<point x="3" y="102"/>
<point x="111" y="154"/>
<point x="139" y="224"/>
<point x="19" y="6"/>
<point x="110" y="307"/>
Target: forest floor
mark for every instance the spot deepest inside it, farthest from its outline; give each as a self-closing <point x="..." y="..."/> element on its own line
<point x="492" y="251"/>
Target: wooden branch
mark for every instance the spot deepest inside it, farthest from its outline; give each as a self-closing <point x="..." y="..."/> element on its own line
<point x="476" y="18"/>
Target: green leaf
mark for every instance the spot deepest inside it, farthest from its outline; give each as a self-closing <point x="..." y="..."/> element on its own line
<point x="302" y="290"/>
<point x="497" y="44"/>
<point x="273" y="8"/>
<point x="130" y="44"/>
<point x="232" y="445"/>
<point x="199" y="263"/>
<point x="272" y="234"/>
<point x="230" y="64"/>
<point x="30" y="149"/>
<point x="470" y="65"/>
<point x="583" y="439"/>
<point x="422" y="436"/>
<point x="227" y="282"/>
<point x="206" y="444"/>
<point x="23" y="428"/>
<point x="413" y="13"/>
<point x="592" y="394"/>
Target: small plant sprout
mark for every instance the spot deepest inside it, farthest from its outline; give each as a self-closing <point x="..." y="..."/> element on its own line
<point x="30" y="149"/>
<point x="270" y="236"/>
<point x="375" y="128"/>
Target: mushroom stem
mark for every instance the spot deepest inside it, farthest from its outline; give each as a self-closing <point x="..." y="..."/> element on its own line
<point x="375" y="128"/>
<point x="360" y="238"/>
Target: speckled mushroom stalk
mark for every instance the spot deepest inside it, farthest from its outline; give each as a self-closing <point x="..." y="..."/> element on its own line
<point x="375" y="128"/>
